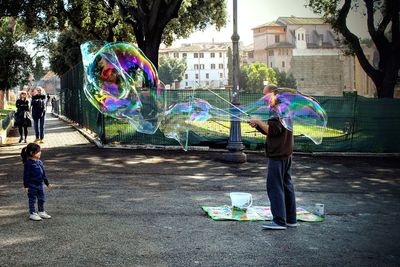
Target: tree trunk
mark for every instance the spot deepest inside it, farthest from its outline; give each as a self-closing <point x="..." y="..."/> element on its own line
<point x="2" y="100"/>
<point x="385" y="89"/>
<point x="150" y="49"/>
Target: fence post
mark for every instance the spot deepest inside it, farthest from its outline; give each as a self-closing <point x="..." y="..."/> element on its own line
<point x="354" y="113"/>
<point x="102" y="127"/>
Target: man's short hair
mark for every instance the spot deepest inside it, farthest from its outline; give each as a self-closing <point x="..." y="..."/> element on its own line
<point x="270" y="88"/>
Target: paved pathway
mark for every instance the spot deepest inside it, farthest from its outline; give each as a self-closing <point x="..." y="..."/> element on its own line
<point x="57" y="134"/>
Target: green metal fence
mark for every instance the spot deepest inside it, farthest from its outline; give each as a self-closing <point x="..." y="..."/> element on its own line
<point x="356" y="124"/>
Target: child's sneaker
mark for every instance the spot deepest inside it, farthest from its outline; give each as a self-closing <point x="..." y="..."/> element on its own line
<point x="41" y="141"/>
<point x="273" y="226"/>
<point x="36" y="140"/>
<point x="35" y="217"/>
<point x="44" y="215"/>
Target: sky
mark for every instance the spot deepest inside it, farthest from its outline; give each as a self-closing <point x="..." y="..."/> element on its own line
<point x="252" y="13"/>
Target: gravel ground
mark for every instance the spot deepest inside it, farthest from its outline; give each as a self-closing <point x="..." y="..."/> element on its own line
<point x="114" y="207"/>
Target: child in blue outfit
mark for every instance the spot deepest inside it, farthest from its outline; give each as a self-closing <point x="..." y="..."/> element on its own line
<point x="34" y="177"/>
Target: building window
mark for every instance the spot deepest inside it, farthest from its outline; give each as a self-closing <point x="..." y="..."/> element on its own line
<point x="176" y="55"/>
<point x="201" y="55"/>
<point x="197" y="76"/>
<point x="298" y="36"/>
<point x="196" y="55"/>
<point x="251" y="55"/>
<point x="270" y="52"/>
<point x="271" y="64"/>
<point x="221" y="75"/>
<point x="276" y="38"/>
<point x="207" y="83"/>
<point x="220" y="66"/>
<point x="186" y="83"/>
<point x="186" y="76"/>
<point x="283" y="64"/>
<point x="207" y="76"/>
<point x="302" y="36"/>
<point x="213" y="66"/>
<point x="196" y="66"/>
<point x="220" y="54"/>
<point x="202" y="66"/>
<point x="184" y="55"/>
<point x="212" y="55"/>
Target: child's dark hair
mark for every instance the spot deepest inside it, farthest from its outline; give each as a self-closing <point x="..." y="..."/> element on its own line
<point x="28" y="151"/>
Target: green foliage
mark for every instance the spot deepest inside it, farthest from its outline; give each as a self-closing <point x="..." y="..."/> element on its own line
<point x="65" y="53"/>
<point x="38" y="70"/>
<point x="15" y="62"/>
<point x="285" y="80"/>
<point x="171" y="69"/>
<point x="195" y="15"/>
<point x="148" y="23"/>
<point x="252" y="77"/>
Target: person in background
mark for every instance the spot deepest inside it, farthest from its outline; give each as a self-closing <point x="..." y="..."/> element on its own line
<point x="38" y="106"/>
<point x="22" y="116"/>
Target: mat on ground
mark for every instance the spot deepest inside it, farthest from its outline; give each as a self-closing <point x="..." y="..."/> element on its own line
<point x="254" y="213"/>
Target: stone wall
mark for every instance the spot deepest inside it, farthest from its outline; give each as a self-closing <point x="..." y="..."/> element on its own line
<point x="318" y="75"/>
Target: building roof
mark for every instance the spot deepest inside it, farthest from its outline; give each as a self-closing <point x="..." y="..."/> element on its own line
<point x="269" y="24"/>
<point x="198" y="47"/>
<point x="300" y="21"/>
<point x="280" y="45"/>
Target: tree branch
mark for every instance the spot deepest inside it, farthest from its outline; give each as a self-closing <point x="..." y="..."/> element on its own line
<point x="355" y="43"/>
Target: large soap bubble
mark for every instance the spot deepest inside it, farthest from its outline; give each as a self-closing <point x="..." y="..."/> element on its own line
<point x="122" y="83"/>
<point x="297" y="112"/>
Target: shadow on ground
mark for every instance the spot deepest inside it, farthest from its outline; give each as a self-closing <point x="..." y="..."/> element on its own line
<point x="142" y="208"/>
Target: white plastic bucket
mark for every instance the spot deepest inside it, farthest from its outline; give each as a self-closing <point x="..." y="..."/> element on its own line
<point x="241" y="200"/>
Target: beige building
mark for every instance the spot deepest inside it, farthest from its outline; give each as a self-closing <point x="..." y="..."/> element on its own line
<point x="307" y="48"/>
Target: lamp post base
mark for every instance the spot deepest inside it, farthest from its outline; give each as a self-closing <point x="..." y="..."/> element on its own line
<point x="235" y="153"/>
<point x="235" y="157"/>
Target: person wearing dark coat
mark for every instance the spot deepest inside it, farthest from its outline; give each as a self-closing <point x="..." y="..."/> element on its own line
<point x="38" y="104"/>
<point x="22" y="117"/>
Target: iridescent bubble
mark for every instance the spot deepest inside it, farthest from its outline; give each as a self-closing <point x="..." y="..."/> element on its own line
<point x="122" y="83"/>
<point x="297" y="112"/>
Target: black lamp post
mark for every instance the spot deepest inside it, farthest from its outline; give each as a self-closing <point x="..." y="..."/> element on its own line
<point x="235" y="145"/>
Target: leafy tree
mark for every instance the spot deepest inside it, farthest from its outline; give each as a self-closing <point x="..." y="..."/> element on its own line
<point x="252" y="76"/>
<point x="171" y="69"/>
<point x="65" y="53"/>
<point x="15" y="62"/>
<point x="156" y="21"/>
<point x="38" y="70"/>
<point x="147" y="22"/>
<point x="230" y="66"/>
<point x="384" y="30"/>
<point x="285" y="80"/>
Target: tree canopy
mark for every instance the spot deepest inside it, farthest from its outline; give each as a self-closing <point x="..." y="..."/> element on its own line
<point x="15" y="62"/>
<point x="148" y="23"/>
<point x="284" y="79"/>
<point x="171" y="69"/>
<point x="383" y="28"/>
<point x="252" y="77"/>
